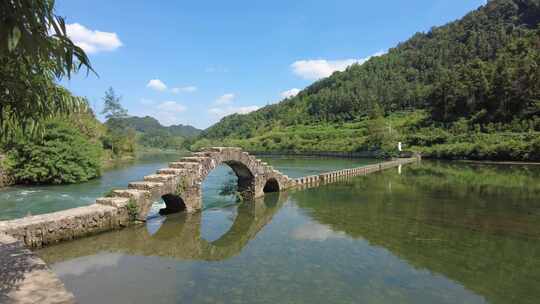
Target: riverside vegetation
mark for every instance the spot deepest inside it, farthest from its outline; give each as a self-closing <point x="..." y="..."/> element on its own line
<point x="468" y="89"/>
<point x="74" y="148"/>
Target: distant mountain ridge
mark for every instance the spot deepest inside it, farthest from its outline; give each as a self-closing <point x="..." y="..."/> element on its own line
<point x="149" y="124"/>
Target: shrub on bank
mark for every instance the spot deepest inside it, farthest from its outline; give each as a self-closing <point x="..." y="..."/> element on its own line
<point x="62" y="155"/>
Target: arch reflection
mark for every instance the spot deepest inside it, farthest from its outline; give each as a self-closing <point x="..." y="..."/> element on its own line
<point x="179" y="236"/>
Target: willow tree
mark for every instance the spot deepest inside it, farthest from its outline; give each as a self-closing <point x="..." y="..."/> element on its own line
<point x="35" y="52"/>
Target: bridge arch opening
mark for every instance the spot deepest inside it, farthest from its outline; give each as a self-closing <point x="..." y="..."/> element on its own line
<point x="220" y="197"/>
<point x="173" y="204"/>
<point x="226" y="184"/>
<point x="271" y="185"/>
<point x="245" y="179"/>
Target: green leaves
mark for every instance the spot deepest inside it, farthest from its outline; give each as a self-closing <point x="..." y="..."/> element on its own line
<point x="29" y="98"/>
<point x="63" y="155"/>
<point x="30" y="31"/>
<point x="14" y="38"/>
<point x="113" y="108"/>
<point x="35" y="51"/>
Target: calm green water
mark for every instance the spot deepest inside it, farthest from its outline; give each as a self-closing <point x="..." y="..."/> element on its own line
<point x="436" y="233"/>
<point x="19" y="201"/>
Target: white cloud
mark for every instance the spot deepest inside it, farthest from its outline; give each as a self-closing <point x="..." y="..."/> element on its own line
<point x="316" y="232"/>
<point x="321" y="68"/>
<point x="290" y="93"/>
<point x="82" y="265"/>
<point x="222" y="112"/>
<point x="225" y="99"/>
<point x="168" y="112"/>
<point x="92" y="41"/>
<point x="171" y="106"/>
<point x="223" y="106"/>
<point x="159" y="85"/>
<point x="247" y="109"/>
<point x="188" y="89"/>
<point x="156" y="84"/>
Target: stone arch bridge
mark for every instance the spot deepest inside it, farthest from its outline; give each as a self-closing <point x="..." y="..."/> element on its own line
<point x="180" y="185"/>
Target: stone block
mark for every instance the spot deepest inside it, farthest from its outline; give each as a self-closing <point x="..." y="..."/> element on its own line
<point x="118" y="202"/>
<point x="172" y="171"/>
<point x="160" y="178"/>
<point x="148" y="186"/>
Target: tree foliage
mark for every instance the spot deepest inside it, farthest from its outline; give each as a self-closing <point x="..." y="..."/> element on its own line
<point x="35" y="51"/>
<point x="113" y="108"/>
<point x="31" y="32"/>
<point x="62" y="155"/>
<point x="120" y="138"/>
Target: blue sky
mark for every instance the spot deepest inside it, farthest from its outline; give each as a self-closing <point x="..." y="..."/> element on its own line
<point x="192" y="62"/>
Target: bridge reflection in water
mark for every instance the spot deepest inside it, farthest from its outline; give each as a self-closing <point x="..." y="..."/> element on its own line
<point x="178" y="237"/>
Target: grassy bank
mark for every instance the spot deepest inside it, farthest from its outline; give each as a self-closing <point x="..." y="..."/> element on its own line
<point x="463" y="139"/>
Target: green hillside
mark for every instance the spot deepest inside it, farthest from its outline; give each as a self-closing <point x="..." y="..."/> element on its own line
<point x="149" y="124"/>
<point x="150" y="133"/>
<point x="468" y="89"/>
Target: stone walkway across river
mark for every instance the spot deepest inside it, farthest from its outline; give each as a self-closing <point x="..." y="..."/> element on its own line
<point x="180" y="187"/>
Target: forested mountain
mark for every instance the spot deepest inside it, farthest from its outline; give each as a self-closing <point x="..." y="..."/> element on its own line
<point x="186" y="131"/>
<point x="149" y="124"/>
<point x="479" y="75"/>
<point x="150" y="133"/>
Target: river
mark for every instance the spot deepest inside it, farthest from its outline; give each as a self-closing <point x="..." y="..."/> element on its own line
<point x="433" y="232"/>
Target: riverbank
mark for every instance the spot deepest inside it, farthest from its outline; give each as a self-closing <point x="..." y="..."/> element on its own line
<point x="107" y="163"/>
<point x="333" y="154"/>
<point x="339" y="154"/>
